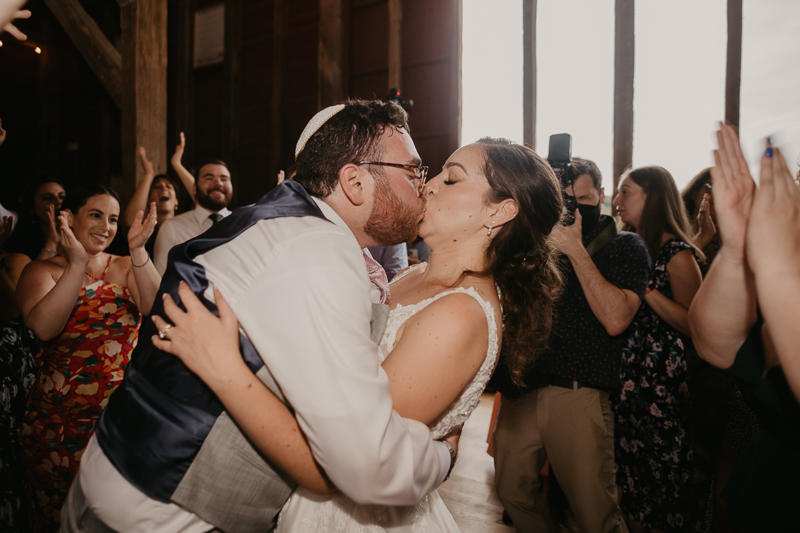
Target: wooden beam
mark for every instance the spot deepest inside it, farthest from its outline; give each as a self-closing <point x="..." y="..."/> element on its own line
<point x="278" y="70"/>
<point x="623" y="88"/>
<point x="395" y="44"/>
<point x="733" y="70"/>
<point x="104" y="60"/>
<point x="231" y="73"/>
<point x="330" y="54"/>
<point x="529" y="72"/>
<point x="144" y="102"/>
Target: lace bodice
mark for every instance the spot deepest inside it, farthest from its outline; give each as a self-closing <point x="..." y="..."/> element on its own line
<point x="458" y="412"/>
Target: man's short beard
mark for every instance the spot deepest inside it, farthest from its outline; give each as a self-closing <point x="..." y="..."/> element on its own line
<point x="391" y="222"/>
<point x="205" y="200"/>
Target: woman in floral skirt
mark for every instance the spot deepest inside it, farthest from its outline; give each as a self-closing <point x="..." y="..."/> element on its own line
<point x="653" y="448"/>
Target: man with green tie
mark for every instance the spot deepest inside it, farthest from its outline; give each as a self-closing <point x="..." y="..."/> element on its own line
<point x="213" y="191"/>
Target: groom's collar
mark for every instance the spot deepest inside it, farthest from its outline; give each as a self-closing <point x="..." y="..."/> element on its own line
<point x="332" y="215"/>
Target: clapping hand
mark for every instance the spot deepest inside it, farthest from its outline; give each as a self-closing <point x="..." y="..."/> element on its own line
<point x="207" y="345"/>
<point x="178" y="155"/>
<point x="73" y="249"/>
<point x="142" y="228"/>
<point x="147" y="165"/>
<point x="2" y="132"/>
<point x="734" y="190"/>
<point x="773" y="231"/>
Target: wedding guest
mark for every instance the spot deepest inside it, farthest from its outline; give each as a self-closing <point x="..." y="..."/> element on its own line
<point x="213" y="192"/>
<point x="36" y="233"/>
<point x="161" y="190"/>
<point x="744" y="318"/>
<point x="654" y="452"/>
<point x="17" y="373"/>
<point x="84" y="307"/>
<point x="699" y="202"/>
<point x="488" y="217"/>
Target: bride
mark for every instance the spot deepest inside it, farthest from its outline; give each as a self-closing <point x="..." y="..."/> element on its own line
<point x="490" y="279"/>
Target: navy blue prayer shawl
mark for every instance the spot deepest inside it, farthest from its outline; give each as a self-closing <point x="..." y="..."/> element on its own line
<point x="158" y="418"/>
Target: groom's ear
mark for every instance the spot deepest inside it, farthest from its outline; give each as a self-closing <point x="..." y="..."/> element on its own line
<point x="355" y="184"/>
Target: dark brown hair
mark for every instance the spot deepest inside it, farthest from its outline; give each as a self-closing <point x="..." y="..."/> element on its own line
<point x="349" y="136"/>
<point x="521" y="257"/>
<point x="688" y="193"/>
<point x="578" y="167"/>
<point x="663" y="210"/>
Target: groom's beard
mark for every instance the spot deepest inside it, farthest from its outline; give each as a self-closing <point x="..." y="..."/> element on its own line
<point x="391" y="221"/>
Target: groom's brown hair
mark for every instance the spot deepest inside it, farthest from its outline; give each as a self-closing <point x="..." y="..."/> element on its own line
<point x="350" y="136"/>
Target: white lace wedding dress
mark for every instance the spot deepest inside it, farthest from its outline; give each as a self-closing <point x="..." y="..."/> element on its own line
<point x="306" y="512"/>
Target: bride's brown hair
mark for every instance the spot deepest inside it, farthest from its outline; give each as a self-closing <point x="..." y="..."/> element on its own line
<point x="520" y="256"/>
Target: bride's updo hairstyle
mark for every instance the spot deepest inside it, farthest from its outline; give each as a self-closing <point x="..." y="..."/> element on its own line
<point x="520" y="256"/>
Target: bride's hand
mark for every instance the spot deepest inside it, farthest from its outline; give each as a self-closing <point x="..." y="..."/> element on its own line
<point x="207" y="345"/>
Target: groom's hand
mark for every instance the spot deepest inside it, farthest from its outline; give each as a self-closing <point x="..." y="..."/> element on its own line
<point x="452" y="439"/>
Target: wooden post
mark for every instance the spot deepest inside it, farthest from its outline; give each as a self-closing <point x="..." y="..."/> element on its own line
<point x="93" y="45"/>
<point x="231" y="90"/>
<point x="330" y="54"/>
<point x="278" y="68"/>
<point x="144" y="101"/>
<point x="182" y="105"/>
<point x="455" y="75"/>
<point x="529" y="72"/>
<point x="733" y="70"/>
<point x="395" y="44"/>
<point x="623" y="89"/>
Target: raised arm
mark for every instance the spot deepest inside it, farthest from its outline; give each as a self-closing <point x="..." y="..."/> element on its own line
<point x="45" y="303"/>
<point x="220" y="365"/>
<point x="773" y="253"/>
<point x="139" y="200"/>
<point x="724" y="310"/>
<point x="143" y="278"/>
<point x="185" y="176"/>
<point x="706" y="230"/>
<point x="685" y="279"/>
<point x="615" y="308"/>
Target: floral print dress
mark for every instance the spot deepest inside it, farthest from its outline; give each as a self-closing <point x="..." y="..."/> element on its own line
<point x="77" y="372"/>
<point x="653" y="452"/>
<point x="17" y="373"/>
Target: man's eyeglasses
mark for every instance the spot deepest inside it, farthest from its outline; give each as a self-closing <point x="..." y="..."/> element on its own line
<point x="421" y="172"/>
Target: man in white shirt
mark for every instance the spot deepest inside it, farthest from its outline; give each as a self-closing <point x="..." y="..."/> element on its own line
<point x="213" y="191"/>
<point x="300" y="289"/>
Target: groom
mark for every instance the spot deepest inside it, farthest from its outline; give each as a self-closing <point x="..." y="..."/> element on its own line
<point x="167" y="457"/>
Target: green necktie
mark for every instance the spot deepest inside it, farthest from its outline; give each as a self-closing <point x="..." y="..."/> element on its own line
<point x="215" y="217"/>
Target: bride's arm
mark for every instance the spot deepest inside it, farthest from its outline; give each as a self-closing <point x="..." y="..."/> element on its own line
<point x="244" y="396"/>
<point x="440" y="350"/>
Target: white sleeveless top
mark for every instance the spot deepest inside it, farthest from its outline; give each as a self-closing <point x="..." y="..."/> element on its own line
<point x="306" y="512"/>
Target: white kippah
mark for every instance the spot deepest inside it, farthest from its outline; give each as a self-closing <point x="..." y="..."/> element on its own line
<point x="314" y="124"/>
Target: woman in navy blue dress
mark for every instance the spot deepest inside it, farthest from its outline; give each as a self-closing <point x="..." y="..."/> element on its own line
<point x="653" y="448"/>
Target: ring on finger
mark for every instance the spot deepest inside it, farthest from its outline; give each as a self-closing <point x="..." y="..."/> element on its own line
<point x="163" y="333"/>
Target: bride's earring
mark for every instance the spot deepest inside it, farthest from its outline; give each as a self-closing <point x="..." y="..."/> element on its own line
<point x="491" y="225"/>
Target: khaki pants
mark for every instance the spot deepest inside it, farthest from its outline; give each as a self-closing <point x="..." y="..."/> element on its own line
<point x="574" y="428"/>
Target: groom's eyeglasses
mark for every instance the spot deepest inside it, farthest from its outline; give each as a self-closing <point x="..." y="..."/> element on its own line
<point x="420" y="172"/>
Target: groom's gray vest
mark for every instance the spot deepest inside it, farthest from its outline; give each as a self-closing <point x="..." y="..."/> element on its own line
<point x="168" y="434"/>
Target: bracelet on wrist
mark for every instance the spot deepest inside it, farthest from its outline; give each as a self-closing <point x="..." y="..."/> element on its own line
<point x="453" y="457"/>
<point x="143" y="264"/>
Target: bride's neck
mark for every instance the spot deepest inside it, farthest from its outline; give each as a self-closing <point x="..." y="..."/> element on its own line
<point x="447" y="266"/>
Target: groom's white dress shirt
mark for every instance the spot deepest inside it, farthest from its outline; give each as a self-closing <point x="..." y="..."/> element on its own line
<point x="300" y="290"/>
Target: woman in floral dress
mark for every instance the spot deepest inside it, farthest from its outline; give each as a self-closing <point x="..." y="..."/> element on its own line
<point x="653" y="448"/>
<point x="82" y="307"/>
